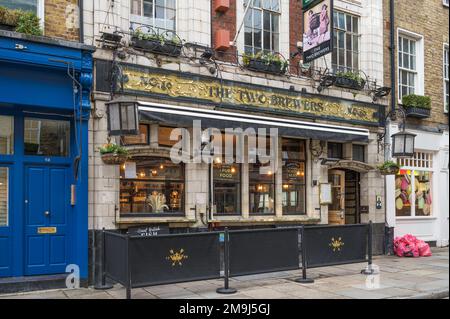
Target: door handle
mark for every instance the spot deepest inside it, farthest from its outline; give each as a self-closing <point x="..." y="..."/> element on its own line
<point x="47" y="213"/>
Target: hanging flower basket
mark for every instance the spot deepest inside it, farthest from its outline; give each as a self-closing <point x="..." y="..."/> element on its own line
<point x="389" y="168"/>
<point x="114" y="159"/>
<point x="113" y="154"/>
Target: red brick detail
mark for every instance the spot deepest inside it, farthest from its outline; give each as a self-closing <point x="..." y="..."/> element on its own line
<point x="221" y="5"/>
<point x="222" y="40"/>
<point x="295" y="32"/>
<point x="224" y="21"/>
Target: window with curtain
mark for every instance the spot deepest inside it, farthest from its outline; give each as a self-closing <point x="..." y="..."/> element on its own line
<point x="346" y="45"/>
<point x="446" y="80"/>
<point x="335" y="150"/>
<point x="152" y="186"/>
<point x="407" y="66"/>
<point x="4" y="196"/>
<point x="6" y="135"/>
<point x="294" y="177"/>
<point x="262" y="26"/>
<point x="160" y="14"/>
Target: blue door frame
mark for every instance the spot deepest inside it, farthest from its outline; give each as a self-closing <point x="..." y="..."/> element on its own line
<point x="35" y="83"/>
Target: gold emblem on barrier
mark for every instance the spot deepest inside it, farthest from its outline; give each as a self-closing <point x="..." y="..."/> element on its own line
<point x="177" y="257"/>
<point x="336" y="244"/>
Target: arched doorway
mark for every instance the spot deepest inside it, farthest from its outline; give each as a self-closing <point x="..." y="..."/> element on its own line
<point x="345" y="180"/>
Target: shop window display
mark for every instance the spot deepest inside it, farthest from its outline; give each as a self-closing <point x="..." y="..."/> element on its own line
<point x="413" y="195"/>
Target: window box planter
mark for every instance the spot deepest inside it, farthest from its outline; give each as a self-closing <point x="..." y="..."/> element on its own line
<point x="7" y="27"/>
<point x="417" y="106"/>
<point x="156" y="46"/>
<point x="348" y="83"/>
<point x="260" y="65"/>
<point x="417" y="112"/>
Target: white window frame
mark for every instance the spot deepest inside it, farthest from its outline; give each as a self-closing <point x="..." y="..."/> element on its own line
<point x="420" y="73"/>
<point x="445" y="52"/>
<point x="414" y="168"/>
<point x="141" y="19"/>
<point x="263" y="29"/>
<point x="358" y="35"/>
<point x="445" y="3"/>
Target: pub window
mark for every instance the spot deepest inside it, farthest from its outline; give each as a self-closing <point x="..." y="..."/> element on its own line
<point x="6" y="135"/>
<point x="152" y="186"/>
<point x="160" y="14"/>
<point x="4" y="196"/>
<point x="294" y="177"/>
<point x="164" y="136"/>
<point x="261" y="190"/>
<point x="227" y="182"/>
<point x="262" y="27"/>
<point x="359" y="153"/>
<point x="141" y="139"/>
<point x="346" y="39"/>
<point x="43" y="137"/>
<point x="335" y="150"/>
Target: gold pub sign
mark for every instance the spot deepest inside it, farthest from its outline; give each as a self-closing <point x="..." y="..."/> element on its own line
<point x="235" y="94"/>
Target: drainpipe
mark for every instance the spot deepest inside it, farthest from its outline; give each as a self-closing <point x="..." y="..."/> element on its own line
<point x="392" y="48"/>
<point x="81" y="28"/>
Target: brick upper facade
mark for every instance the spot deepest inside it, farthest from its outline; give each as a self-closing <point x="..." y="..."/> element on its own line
<point x="61" y="19"/>
<point x="429" y="19"/>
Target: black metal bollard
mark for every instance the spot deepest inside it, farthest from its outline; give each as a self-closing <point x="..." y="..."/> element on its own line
<point x="226" y="290"/>
<point x="369" y="269"/>
<point x="103" y="285"/>
<point x="304" y="279"/>
<point x="128" y="276"/>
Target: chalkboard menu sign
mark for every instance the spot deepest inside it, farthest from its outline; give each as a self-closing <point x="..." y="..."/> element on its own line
<point x="149" y="231"/>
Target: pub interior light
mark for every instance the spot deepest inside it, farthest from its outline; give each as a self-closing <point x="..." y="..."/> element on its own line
<point x="403" y="144"/>
<point x="123" y="117"/>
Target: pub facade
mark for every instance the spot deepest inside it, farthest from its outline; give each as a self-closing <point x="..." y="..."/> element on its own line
<point x="203" y="70"/>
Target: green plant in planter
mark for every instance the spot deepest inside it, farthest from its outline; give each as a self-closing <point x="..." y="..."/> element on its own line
<point x="161" y="38"/>
<point x="111" y="148"/>
<point x="29" y="23"/>
<point x="23" y="21"/>
<point x="416" y="101"/>
<point x="351" y="76"/>
<point x="266" y="58"/>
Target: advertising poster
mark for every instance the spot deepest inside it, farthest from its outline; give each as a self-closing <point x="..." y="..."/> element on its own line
<point x="317" y="30"/>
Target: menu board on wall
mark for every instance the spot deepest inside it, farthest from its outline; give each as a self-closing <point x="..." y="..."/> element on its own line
<point x="325" y="194"/>
<point x="317" y="30"/>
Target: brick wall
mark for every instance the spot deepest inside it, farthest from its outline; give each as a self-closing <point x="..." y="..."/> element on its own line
<point x="429" y="19"/>
<point x="295" y="31"/>
<point x="228" y="22"/>
<point x="57" y="15"/>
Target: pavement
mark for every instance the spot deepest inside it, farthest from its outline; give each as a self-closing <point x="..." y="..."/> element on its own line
<point x="398" y="278"/>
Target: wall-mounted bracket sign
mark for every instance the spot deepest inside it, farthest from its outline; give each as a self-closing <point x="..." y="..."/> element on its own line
<point x="193" y="88"/>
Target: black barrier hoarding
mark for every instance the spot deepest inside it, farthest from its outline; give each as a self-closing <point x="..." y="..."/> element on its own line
<point x="261" y="251"/>
<point x="335" y="245"/>
<point x="174" y="258"/>
<point x="115" y="256"/>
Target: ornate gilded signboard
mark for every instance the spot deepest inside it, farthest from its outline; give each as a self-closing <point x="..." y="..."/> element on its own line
<point x="185" y="87"/>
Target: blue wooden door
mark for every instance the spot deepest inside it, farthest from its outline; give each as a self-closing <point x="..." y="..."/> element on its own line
<point x="47" y="220"/>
